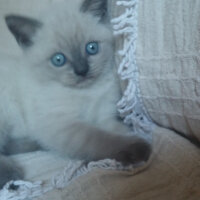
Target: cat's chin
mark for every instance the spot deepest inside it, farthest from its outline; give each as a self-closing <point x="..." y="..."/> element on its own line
<point x="82" y="82"/>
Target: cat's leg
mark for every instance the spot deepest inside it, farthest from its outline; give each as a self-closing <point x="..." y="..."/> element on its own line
<point x="85" y="142"/>
<point x="20" y="145"/>
<point x="9" y="170"/>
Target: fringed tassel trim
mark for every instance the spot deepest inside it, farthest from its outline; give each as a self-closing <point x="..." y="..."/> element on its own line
<point x="130" y="106"/>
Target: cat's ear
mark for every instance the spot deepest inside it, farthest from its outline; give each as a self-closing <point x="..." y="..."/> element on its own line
<point x="98" y="8"/>
<point x="23" y="29"/>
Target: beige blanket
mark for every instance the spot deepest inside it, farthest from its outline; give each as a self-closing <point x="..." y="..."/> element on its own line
<point x="174" y="172"/>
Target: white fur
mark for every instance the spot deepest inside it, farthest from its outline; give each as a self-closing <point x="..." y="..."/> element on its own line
<point x="63" y="112"/>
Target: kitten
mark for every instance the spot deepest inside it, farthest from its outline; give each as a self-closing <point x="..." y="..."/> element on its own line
<point x="61" y="94"/>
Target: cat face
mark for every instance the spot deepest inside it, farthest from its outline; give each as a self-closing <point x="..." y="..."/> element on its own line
<point x="72" y="44"/>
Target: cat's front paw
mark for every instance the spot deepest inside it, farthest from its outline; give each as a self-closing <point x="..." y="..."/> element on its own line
<point x="9" y="171"/>
<point x="134" y="153"/>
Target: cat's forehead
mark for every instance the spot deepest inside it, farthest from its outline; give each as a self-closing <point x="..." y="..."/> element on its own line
<point x="71" y="26"/>
<point x="64" y="13"/>
<point x="68" y="29"/>
<point x="74" y="22"/>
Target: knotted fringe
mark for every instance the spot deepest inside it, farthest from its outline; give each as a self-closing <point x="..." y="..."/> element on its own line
<point x="130" y="107"/>
<point x="30" y="191"/>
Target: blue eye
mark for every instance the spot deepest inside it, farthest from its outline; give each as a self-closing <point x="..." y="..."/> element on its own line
<point x="58" y="59"/>
<point x="92" y="48"/>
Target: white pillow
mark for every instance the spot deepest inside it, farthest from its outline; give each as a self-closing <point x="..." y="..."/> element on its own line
<point x="168" y="59"/>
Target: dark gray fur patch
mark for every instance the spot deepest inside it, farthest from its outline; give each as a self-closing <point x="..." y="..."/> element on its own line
<point x="22" y="28"/>
<point x="20" y="145"/>
<point x="9" y="170"/>
<point x="96" y="7"/>
<point x="135" y="153"/>
<point x="79" y="62"/>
